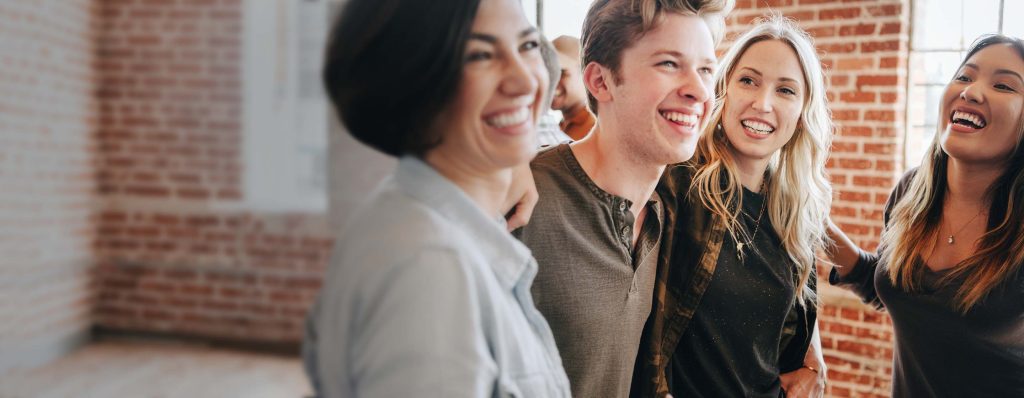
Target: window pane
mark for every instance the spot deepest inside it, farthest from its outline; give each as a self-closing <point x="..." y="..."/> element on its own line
<point x="937" y="24"/>
<point x="564" y="17"/>
<point x="918" y="139"/>
<point x="933" y="98"/>
<point x="980" y="17"/>
<point x="1013" y="18"/>
<point x="939" y="66"/>
<point x="915" y="106"/>
<point x="530" y="9"/>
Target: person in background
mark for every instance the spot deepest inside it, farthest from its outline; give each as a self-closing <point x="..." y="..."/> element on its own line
<point x="596" y="230"/>
<point x="570" y="95"/>
<point x="548" y="132"/>
<point x="948" y="267"/>
<point x="735" y="312"/>
<point x="427" y="294"/>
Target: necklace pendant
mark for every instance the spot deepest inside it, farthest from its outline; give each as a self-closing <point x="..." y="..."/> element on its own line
<point x="950" y="239"/>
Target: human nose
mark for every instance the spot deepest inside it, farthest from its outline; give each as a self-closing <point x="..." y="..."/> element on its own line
<point x="693" y="87"/>
<point x="763" y="101"/>
<point x="972" y="93"/>
<point x="519" y="78"/>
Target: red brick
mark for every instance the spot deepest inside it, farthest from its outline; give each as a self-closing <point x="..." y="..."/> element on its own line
<point x="880" y="46"/>
<point x="861" y="29"/>
<point x="881" y="116"/>
<point x="881" y="149"/>
<point x="839" y="13"/>
<point x="890" y="28"/>
<point x="858" y="97"/>
<point x="884" y="10"/>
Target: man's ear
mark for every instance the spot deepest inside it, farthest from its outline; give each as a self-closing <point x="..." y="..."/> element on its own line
<point x="597" y="79"/>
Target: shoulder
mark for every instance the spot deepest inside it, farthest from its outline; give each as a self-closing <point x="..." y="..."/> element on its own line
<point x="899" y="191"/>
<point x="391" y="228"/>
<point x="559" y="179"/>
<point x="550" y="160"/>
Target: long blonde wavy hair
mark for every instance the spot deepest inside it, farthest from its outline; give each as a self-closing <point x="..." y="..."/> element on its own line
<point x="798" y="193"/>
<point x="916" y="216"/>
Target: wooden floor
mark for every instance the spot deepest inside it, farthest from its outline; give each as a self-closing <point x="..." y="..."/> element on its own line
<point x="148" y="369"/>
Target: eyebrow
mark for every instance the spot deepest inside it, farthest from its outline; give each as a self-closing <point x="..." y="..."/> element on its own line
<point x="785" y="79"/>
<point x="1008" y="72"/>
<point x="997" y="71"/>
<point x="680" y="55"/>
<point x="494" y="39"/>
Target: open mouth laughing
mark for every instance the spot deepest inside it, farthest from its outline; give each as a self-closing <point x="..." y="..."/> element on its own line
<point x="968" y="119"/>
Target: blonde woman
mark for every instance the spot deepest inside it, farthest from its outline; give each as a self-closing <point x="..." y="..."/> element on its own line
<point x="735" y="302"/>
<point x="948" y="269"/>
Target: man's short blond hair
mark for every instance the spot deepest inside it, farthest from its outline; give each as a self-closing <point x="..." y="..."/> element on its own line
<point x="612" y="26"/>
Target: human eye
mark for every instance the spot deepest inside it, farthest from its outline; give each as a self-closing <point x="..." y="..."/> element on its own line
<point x="1004" y="87"/>
<point x="478" y="55"/>
<point x="669" y="64"/>
<point x="529" y="45"/>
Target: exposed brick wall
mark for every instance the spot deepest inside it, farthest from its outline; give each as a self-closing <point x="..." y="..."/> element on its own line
<point x="178" y="251"/>
<point x="864" y="46"/>
<point x="47" y="121"/>
<point x="240" y="277"/>
<point x="170" y="99"/>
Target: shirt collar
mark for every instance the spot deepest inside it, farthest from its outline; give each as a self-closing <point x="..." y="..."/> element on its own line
<point x="510" y="260"/>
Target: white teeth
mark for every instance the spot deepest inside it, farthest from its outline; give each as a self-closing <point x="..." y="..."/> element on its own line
<point x="509" y="118"/>
<point x="757" y="127"/>
<point x="681" y="118"/>
<point x="977" y="120"/>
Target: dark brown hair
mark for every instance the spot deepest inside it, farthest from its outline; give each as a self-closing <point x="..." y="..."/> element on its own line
<point x="391" y="66"/>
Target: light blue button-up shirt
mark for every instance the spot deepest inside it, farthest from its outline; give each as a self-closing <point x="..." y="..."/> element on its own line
<point x="426" y="296"/>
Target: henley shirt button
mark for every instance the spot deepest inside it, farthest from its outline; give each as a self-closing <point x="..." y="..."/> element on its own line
<point x="622" y="206"/>
<point x="625" y="231"/>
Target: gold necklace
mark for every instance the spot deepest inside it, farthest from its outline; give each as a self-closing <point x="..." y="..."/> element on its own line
<point x="950" y="239"/>
<point x="757" y="224"/>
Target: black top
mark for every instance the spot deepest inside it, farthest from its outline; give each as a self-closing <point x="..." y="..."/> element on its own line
<point x="938" y="351"/>
<point x="731" y="347"/>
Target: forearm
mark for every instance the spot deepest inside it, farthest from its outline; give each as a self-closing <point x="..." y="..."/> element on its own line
<point x="842" y="251"/>
<point x="815" y="358"/>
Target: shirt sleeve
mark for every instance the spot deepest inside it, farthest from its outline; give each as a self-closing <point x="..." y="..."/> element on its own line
<point x="420" y="333"/>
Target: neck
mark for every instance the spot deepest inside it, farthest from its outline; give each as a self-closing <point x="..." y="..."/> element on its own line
<point x="487" y="189"/>
<point x="613" y="170"/>
<point x="752" y="173"/>
<point x="572" y="110"/>
<point x="967" y="183"/>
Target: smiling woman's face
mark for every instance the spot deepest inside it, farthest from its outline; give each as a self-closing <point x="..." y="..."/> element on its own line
<point x="982" y="108"/>
<point x="764" y="97"/>
<point x="492" y="122"/>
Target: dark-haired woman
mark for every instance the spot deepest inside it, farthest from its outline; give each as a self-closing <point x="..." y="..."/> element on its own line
<point x="948" y="269"/>
<point x="427" y="295"/>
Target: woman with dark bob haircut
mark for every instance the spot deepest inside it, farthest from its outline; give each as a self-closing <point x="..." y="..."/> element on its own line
<point x="427" y="294"/>
<point x="948" y="267"/>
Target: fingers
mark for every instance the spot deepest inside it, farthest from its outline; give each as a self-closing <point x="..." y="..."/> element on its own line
<point x="520" y="215"/>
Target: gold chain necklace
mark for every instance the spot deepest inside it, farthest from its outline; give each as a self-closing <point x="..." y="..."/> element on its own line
<point x="950" y="239"/>
<point x="757" y="224"/>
